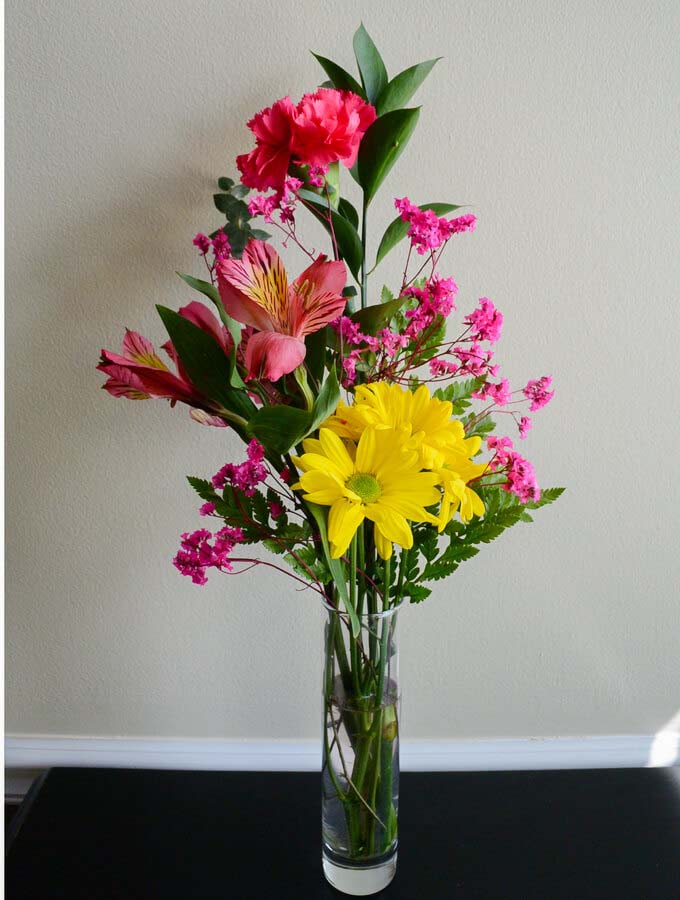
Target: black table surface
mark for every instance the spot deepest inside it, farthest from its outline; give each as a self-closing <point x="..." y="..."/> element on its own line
<point x="135" y="833"/>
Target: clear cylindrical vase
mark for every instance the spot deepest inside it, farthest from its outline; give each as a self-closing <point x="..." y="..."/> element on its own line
<point x="360" y="773"/>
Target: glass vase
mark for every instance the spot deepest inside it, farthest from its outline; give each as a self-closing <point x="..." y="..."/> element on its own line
<point x="360" y="773"/>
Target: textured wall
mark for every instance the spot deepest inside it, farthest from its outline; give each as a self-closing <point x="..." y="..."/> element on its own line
<point x="560" y="123"/>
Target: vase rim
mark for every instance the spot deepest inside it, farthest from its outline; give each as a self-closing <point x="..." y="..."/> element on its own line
<point x="366" y="615"/>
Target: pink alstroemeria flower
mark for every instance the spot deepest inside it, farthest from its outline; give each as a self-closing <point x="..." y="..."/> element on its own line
<point x="255" y="292"/>
<point x="138" y="373"/>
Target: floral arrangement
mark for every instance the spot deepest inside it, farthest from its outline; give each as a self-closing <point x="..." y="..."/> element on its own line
<point x="377" y="457"/>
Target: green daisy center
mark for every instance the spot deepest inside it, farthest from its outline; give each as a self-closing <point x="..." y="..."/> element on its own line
<point x="365" y="486"/>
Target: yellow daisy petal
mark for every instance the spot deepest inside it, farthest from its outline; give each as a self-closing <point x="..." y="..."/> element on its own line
<point x="343" y="520"/>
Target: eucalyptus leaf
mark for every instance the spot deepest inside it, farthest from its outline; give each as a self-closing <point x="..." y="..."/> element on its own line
<point x="403" y="86"/>
<point x="381" y="147"/>
<point x="340" y="78"/>
<point x="238" y="238"/>
<point x="225" y="184"/>
<point x="371" y="65"/>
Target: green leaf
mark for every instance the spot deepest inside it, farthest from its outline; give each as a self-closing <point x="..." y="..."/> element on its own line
<point x="397" y="230"/>
<point x="278" y="428"/>
<point x="346" y="236"/>
<point x="386" y="294"/>
<point x="548" y="495"/>
<point x="305" y="559"/>
<point x="203" y="488"/>
<point x="240" y="190"/>
<point x="459" y="390"/>
<point x="259" y="234"/>
<point x="225" y="184"/>
<point x="315" y="358"/>
<point x="372" y="318"/>
<point x="326" y="402"/>
<point x="403" y="86"/>
<point x="448" y="562"/>
<point x="346" y="209"/>
<point x="341" y="79"/>
<point x="482" y="428"/>
<point x="381" y="146"/>
<point x="428" y="342"/>
<point x="417" y="592"/>
<point x="238" y="237"/>
<point x="205" y="363"/>
<point x="234" y="209"/>
<point x="371" y="65"/>
<point x="209" y="290"/>
<point x="260" y="509"/>
<point x="204" y="287"/>
<point x="335" y="566"/>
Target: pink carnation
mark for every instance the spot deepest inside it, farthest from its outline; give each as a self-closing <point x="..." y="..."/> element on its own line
<point x="323" y="128"/>
<point x="329" y="126"/>
<point x="267" y="165"/>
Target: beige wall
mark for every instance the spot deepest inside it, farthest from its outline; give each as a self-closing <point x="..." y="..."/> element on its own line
<point x="560" y="123"/>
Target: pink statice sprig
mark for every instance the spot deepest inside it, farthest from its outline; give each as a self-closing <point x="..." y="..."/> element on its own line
<point x="254" y="503"/>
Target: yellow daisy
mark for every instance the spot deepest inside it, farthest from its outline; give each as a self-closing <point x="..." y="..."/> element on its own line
<point x="454" y="476"/>
<point x="424" y="419"/>
<point x="381" y="481"/>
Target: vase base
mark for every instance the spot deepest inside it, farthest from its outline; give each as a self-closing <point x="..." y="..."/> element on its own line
<point x="360" y="881"/>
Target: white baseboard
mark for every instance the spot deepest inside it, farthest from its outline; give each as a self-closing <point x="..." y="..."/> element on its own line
<point x="26" y="756"/>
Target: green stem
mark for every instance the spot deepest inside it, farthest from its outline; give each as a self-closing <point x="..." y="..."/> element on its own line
<point x="386" y="583"/>
<point x="353" y="603"/>
<point x="232" y="417"/>
<point x="362" y="567"/>
<point x="301" y="378"/>
<point x="341" y="655"/>
<point x="328" y="762"/>
<point x="402" y="572"/>
<point x="364" y="271"/>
